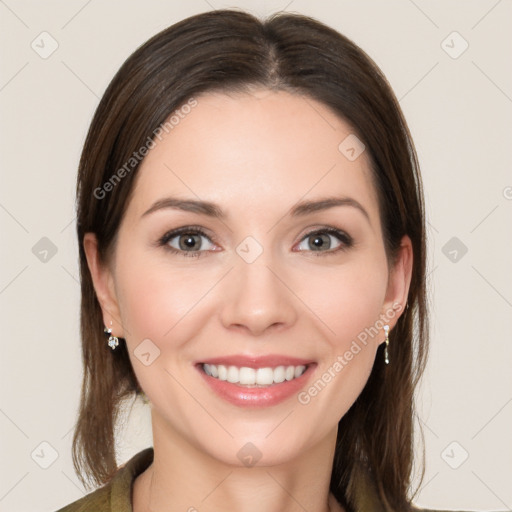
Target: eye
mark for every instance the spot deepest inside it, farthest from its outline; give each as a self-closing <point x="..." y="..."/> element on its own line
<point x="187" y="240"/>
<point x="325" y="240"/>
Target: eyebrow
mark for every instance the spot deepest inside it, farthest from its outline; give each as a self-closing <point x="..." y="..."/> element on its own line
<point x="212" y="210"/>
<point x="306" y="207"/>
<point x="188" y="205"/>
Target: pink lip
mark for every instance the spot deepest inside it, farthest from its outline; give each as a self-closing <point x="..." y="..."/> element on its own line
<point x="242" y="396"/>
<point x="257" y="361"/>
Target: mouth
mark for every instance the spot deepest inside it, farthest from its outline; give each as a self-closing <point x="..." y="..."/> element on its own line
<point x="254" y="377"/>
<point x="256" y="382"/>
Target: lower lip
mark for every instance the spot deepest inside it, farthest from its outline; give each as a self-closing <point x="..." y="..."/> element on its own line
<point x="257" y="397"/>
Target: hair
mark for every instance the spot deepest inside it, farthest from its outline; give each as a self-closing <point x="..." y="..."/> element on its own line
<point x="232" y="51"/>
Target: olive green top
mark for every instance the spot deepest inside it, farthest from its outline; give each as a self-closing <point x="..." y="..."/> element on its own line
<point x="116" y="496"/>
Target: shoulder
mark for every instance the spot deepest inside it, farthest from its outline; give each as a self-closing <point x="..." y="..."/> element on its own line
<point x="367" y="498"/>
<point x="98" y="501"/>
<point x="116" y="494"/>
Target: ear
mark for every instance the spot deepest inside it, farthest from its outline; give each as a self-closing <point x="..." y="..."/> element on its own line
<point x="398" y="283"/>
<point x="103" y="282"/>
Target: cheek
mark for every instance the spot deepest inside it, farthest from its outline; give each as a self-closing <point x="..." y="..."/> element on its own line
<point x="350" y="307"/>
<point x="154" y="296"/>
<point x="160" y="302"/>
<point x="348" y="299"/>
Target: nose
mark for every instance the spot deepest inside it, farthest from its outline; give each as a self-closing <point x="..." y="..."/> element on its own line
<point x="256" y="300"/>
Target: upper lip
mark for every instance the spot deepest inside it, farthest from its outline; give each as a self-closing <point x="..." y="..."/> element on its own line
<point x="273" y="360"/>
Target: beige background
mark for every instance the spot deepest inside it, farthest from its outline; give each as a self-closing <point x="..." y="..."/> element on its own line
<point x="459" y="110"/>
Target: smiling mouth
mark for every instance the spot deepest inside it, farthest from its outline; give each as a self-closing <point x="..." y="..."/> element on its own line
<point x="253" y="377"/>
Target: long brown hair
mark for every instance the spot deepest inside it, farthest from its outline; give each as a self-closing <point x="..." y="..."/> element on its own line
<point x="229" y="50"/>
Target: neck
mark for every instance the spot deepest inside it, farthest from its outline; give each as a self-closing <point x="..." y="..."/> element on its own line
<point x="184" y="477"/>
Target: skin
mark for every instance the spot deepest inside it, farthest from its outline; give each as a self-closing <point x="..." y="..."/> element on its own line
<point x="255" y="155"/>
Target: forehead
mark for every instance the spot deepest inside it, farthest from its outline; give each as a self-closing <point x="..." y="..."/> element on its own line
<point x="254" y="150"/>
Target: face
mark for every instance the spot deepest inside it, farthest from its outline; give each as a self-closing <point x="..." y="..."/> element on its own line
<point x="250" y="278"/>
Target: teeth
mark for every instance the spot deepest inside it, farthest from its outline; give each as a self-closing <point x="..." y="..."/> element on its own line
<point x="289" y="374"/>
<point x="246" y="375"/>
<point x="251" y="377"/>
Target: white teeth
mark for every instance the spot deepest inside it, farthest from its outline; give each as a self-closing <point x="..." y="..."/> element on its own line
<point x="299" y="370"/>
<point x="279" y="374"/>
<point x="233" y="375"/>
<point x="250" y="376"/>
<point x="222" y="371"/>
<point x="264" y="376"/>
<point x="247" y="375"/>
<point x="290" y="372"/>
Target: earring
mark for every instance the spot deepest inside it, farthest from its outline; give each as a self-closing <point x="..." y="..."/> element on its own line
<point x="386" y="353"/>
<point x="113" y="341"/>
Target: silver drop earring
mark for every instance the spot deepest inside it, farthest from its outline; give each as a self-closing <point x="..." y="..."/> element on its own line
<point x="113" y="341"/>
<point x="386" y="353"/>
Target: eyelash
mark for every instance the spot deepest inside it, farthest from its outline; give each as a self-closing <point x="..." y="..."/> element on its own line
<point x="345" y="239"/>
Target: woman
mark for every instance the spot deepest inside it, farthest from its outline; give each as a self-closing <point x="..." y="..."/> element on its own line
<point x="252" y="252"/>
